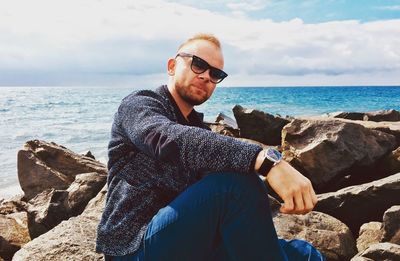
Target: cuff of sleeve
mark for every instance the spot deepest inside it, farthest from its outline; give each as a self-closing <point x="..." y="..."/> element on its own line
<point x="253" y="162"/>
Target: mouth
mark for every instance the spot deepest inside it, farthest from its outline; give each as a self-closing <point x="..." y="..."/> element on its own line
<point x="201" y="88"/>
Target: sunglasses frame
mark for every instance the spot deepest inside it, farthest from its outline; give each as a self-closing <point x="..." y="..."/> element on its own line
<point x="212" y="69"/>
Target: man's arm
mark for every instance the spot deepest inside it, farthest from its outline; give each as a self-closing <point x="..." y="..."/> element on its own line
<point x="146" y="122"/>
<point x="295" y="190"/>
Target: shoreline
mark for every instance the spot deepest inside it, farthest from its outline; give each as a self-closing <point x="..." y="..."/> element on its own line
<point x="10" y="191"/>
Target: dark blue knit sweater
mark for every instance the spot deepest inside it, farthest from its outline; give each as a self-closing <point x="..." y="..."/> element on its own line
<point x="153" y="158"/>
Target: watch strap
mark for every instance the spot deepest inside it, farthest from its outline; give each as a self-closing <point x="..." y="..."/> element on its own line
<point x="265" y="167"/>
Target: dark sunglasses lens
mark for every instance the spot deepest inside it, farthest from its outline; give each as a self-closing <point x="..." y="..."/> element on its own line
<point x="199" y="65"/>
<point x="217" y="74"/>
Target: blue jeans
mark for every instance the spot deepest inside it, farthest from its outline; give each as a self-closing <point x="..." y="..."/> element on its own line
<point x="224" y="216"/>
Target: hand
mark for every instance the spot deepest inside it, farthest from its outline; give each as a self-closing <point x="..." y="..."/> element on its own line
<point x="294" y="189"/>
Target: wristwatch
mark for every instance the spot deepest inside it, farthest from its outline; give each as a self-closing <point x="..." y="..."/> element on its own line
<point x="271" y="158"/>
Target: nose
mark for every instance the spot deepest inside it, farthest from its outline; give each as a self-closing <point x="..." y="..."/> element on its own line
<point x="205" y="75"/>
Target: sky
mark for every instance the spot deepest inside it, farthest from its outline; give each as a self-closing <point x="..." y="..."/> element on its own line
<point x="265" y="43"/>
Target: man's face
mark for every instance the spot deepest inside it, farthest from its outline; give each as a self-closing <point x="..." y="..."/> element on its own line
<point x="195" y="88"/>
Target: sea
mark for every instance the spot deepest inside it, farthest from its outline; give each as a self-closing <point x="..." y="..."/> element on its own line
<point x="80" y="118"/>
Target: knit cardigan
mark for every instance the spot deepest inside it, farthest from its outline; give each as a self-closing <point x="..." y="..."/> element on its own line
<point x="151" y="159"/>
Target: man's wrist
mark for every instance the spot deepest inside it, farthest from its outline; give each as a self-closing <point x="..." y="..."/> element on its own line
<point x="267" y="159"/>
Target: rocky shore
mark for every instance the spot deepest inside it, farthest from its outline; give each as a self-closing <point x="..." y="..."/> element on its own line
<point x="352" y="159"/>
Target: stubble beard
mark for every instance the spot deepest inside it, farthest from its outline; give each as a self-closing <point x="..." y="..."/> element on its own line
<point x="187" y="96"/>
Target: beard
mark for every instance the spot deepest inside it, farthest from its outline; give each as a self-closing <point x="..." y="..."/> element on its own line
<point x="191" y="95"/>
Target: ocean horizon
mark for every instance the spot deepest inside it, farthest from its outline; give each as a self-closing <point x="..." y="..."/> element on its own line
<point x="80" y="117"/>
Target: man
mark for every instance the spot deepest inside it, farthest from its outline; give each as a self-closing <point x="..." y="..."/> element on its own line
<point x="176" y="190"/>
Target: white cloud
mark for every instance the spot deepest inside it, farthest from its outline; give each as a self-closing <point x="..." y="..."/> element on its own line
<point x="390" y="7"/>
<point x="118" y="41"/>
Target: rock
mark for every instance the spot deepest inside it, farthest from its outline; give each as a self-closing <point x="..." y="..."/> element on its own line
<point x="43" y="165"/>
<point x="327" y="151"/>
<point x="73" y="239"/>
<point x="370" y="233"/>
<point x="259" y="126"/>
<point x="13" y="233"/>
<point x="360" y="204"/>
<point x="223" y="129"/>
<point x="226" y="120"/>
<point x="85" y="187"/>
<point x="50" y="207"/>
<point x="347" y="115"/>
<point x="225" y="125"/>
<point x="382" y="115"/>
<point x="12" y="206"/>
<point x="89" y="155"/>
<point x="327" y="234"/>
<point x="46" y="210"/>
<point x="381" y="252"/>
<point x="389" y="127"/>
<point x="391" y="225"/>
<point x="391" y="163"/>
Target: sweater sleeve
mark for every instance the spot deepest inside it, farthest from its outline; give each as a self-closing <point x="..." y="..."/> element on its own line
<point x="146" y="122"/>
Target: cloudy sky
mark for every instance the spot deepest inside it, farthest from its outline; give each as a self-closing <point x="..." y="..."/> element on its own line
<point x="266" y="43"/>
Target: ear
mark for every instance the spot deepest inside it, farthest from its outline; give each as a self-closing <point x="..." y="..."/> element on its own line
<point x="171" y="66"/>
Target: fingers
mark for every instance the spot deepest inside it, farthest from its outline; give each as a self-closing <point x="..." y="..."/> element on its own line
<point x="295" y="190"/>
<point x="301" y="201"/>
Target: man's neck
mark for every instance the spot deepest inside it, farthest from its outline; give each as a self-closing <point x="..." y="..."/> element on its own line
<point x="184" y="107"/>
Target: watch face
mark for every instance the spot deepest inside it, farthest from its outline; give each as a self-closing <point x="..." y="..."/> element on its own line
<point x="273" y="155"/>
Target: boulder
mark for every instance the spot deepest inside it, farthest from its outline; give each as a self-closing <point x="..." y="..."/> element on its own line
<point x="330" y="236"/>
<point x="333" y="153"/>
<point x="43" y="165"/>
<point x="223" y="129"/>
<point x="391" y="225"/>
<point x="370" y="233"/>
<point x="50" y="207"/>
<point x="389" y="127"/>
<point x="12" y="206"/>
<point x="226" y="120"/>
<point x="260" y="126"/>
<point x="73" y="239"/>
<point x="360" y="204"/>
<point x="382" y="115"/>
<point x="46" y="210"/>
<point x="381" y="251"/>
<point x="390" y="164"/>
<point x="13" y="233"/>
<point x="359" y="116"/>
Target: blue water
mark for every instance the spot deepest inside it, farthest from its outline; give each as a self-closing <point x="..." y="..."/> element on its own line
<point x="80" y="118"/>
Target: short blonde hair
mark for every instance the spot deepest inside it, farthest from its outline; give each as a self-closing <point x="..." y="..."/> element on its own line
<point x="202" y="36"/>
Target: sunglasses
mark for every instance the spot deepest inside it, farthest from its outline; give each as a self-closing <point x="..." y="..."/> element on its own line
<point x="198" y="66"/>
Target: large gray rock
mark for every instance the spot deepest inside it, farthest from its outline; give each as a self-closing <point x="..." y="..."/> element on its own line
<point x="50" y="207"/>
<point x="73" y="239"/>
<point x="327" y="234"/>
<point x="258" y="125"/>
<point x="391" y="225"/>
<point x="330" y="151"/>
<point x="360" y="204"/>
<point x="370" y="233"/>
<point x="379" y="252"/>
<point x="43" y="165"/>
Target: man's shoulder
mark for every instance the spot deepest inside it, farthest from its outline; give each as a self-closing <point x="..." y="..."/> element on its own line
<point x="146" y="94"/>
